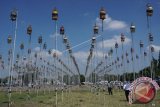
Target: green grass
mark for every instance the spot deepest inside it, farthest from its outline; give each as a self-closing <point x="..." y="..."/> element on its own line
<point x="78" y="97"/>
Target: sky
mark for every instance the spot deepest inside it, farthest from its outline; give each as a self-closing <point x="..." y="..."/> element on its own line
<point x="78" y="17"/>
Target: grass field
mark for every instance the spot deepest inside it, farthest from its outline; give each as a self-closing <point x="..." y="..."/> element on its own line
<point x="77" y="97"/>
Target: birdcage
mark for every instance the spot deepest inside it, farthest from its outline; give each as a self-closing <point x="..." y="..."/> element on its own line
<point x="9" y="39"/>
<point x="95" y="29"/>
<point x="102" y="14"/>
<point x="13" y="15"/>
<point x="62" y="31"/>
<point x="29" y="30"/>
<point x="132" y="28"/>
<point x="55" y="14"/>
<point x="141" y="44"/>
<point x="149" y="10"/>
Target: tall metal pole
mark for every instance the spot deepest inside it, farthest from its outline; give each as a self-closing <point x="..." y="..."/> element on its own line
<point x="29" y="32"/>
<point x="9" y="40"/>
<point x="122" y="41"/>
<point x="55" y="18"/>
<point x="62" y="32"/>
<point x="141" y="52"/>
<point x="145" y="55"/>
<point x="40" y="40"/>
<point x="22" y="48"/>
<point x="116" y="47"/>
<point x="45" y="70"/>
<point x="127" y="65"/>
<point x="149" y="13"/>
<point x="132" y="30"/>
<point x="13" y="17"/>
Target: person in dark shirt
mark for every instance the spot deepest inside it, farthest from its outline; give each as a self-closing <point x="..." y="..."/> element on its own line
<point x="110" y="89"/>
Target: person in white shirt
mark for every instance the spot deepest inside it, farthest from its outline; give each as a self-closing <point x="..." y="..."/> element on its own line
<point x="126" y="88"/>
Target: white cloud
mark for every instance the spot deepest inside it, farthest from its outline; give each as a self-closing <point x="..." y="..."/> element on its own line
<point x="45" y="53"/>
<point x="54" y="35"/>
<point x="111" y="42"/>
<point x="59" y="53"/>
<point x="37" y="49"/>
<point x="156" y="48"/>
<point x="81" y="55"/>
<point x="111" y="24"/>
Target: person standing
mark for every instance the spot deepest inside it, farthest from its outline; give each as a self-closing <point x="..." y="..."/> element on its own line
<point x="110" y="88"/>
<point x="126" y="88"/>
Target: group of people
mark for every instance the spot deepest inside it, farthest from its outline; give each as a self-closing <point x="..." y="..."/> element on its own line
<point x="126" y="88"/>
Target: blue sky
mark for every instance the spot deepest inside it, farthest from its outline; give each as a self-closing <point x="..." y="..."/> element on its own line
<point x="78" y="17"/>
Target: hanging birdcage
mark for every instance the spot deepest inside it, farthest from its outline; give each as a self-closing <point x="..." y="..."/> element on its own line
<point x="9" y="60"/>
<point x="9" y="39"/>
<point x="137" y="57"/>
<point x="145" y="53"/>
<point x="35" y="55"/>
<point x="13" y="15"/>
<point x="111" y="51"/>
<point x="122" y="37"/>
<point x="16" y="61"/>
<point x="95" y="29"/>
<point x="132" y="50"/>
<point x="24" y="58"/>
<point x="141" y="44"/>
<point x="10" y="52"/>
<point x="70" y="51"/>
<point x="65" y="39"/>
<point x="45" y="46"/>
<point x="91" y="50"/>
<point x="92" y="45"/>
<point x="152" y="49"/>
<point x="22" y="46"/>
<point x="55" y="14"/>
<point x="40" y="40"/>
<point x="126" y="54"/>
<point x="49" y="52"/>
<point x="132" y="28"/>
<point x="29" y="51"/>
<point x="62" y="31"/>
<point x="40" y="58"/>
<point x="102" y="14"/>
<point x="29" y="30"/>
<point x="150" y="37"/>
<point x="122" y="57"/>
<point x="17" y="56"/>
<point x="116" y="45"/>
<point x="93" y="39"/>
<point x="115" y="62"/>
<point x="149" y="10"/>
<point x="54" y="54"/>
<point x="132" y="59"/>
<point x="117" y="58"/>
<point x="121" y="64"/>
<point x="68" y="47"/>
